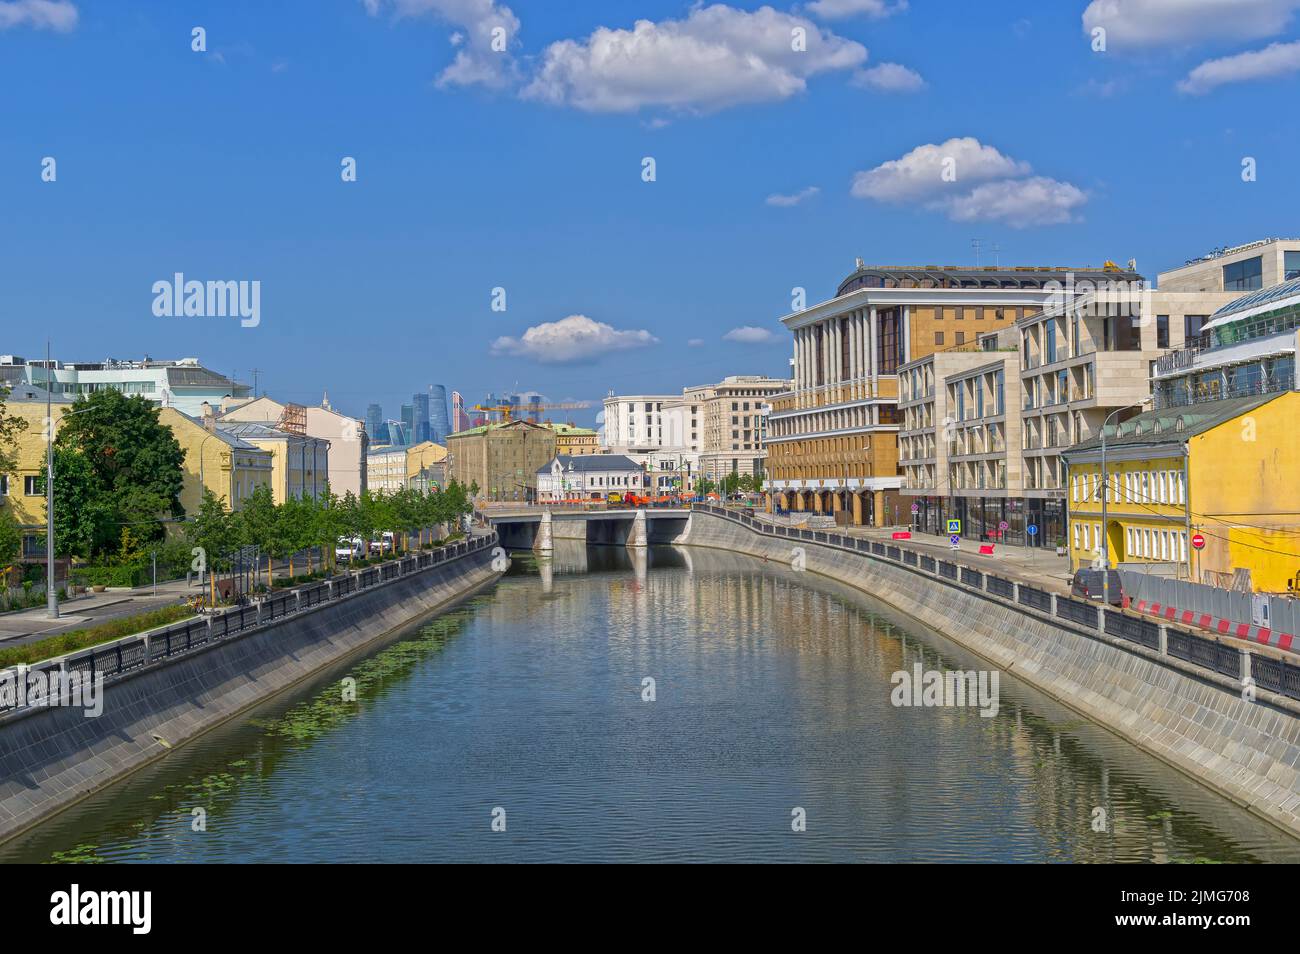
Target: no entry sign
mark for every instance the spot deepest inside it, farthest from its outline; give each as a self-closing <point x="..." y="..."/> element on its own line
<point x="1198" y="541"/>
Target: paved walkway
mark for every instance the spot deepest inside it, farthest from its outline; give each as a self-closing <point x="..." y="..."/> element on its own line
<point x="89" y="609"/>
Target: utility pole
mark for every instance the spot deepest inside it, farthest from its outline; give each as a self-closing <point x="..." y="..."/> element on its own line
<point x="51" y="597"/>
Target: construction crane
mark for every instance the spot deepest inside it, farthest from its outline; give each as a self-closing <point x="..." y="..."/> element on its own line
<point x="506" y="410"/>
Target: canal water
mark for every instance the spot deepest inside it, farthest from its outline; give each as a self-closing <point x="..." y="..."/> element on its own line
<point x="530" y="708"/>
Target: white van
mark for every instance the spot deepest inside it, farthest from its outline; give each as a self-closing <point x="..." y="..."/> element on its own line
<point x="347" y="550"/>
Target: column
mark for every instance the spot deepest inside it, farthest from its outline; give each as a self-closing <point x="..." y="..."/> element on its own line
<point x="906" y="340"/>
<point x="872" y="343"/>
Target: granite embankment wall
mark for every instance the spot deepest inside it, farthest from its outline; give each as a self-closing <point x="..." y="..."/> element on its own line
<point x="52" y="757"/>
<point x="1194" y="719"/>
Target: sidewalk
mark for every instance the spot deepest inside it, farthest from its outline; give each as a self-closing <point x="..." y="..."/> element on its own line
<point x="89" y="609"/>
<point x="1037" y="566"/>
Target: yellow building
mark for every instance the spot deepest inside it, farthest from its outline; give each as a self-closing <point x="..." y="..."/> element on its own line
<point x="421" y="457"/>
<point x="299" y="462"/>
<point x="23" y="490"/>
<point x="228" y="466"/>
<point x="571" y="441"/>
<point x="1224" y="470"/>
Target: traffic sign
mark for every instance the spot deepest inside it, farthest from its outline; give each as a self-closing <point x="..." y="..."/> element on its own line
<point x="1032" y="530"/>
<point x="954" y="526"/>
<point x="1004" y="525"/>
<point x="1198" y="541"/>
<point x="916" y="508"/>
<point x="954" y="540"/>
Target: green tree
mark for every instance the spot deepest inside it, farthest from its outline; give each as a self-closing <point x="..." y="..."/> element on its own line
<point x="216" y="531"/>
<point x="329" y="524"/>
<point x="82" y="513"/>
<point x="135" y="459"/>
<point x="11" y="541"/>
<point x="258" y="522"/>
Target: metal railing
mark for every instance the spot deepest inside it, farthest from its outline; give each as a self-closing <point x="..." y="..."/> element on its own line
<point x="1276" y="675"/>
<point x="137" y="652"/>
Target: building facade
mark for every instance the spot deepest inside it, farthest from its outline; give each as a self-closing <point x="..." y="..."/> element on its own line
<point x="1226" y="470"/>
<point x="183" y="384"/>
<point x="228" y="466"/>
<point x="347" y="437"/>
<point x="571" y="441"/>
<point x="832" y="440"/>
<point x="588" y="477"/>
<point x="502" y="459"/>
<point x="299" y="463"/>
<point x="735" y="424"/>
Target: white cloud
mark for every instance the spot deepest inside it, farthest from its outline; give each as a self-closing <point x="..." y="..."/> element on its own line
<point x="57" y="15"/>
<point x="889" y="78"/>
<point x="570" y="340"/>
<point x="695" y="343"/>
<point x="919" y="175"/>
<point x="1135" y="23"/>
<point x="969" y="181"/>
<point x="716" y="57"/>
<point x="1276" y="59"/>
<point x="1037" y="200"/>
<point x="476" y="62"/>
<point x="793" y="198"/>
<point x="839" y="9"/>
<point x="748" y="334"/>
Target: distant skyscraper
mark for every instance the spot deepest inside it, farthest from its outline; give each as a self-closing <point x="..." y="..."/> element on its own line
<point x="419" y="418"/>
<point x="439" y="427"/>
<point x="459" y="419"/>
<point x="374" y="420"/>
<point x="408" y="423"/>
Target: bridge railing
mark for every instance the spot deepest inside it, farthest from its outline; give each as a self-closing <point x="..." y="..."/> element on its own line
<point x="123" y="656"/>
<point x="1280" y="675"/>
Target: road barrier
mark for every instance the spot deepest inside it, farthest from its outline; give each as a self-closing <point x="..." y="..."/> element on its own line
<point x="1276" y="675"/>
<point x="132" y="653"/>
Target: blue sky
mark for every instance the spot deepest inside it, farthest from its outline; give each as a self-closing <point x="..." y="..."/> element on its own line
<point x="522" y="169"/>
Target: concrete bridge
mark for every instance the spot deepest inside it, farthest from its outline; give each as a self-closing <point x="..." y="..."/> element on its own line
<point x="536" y="528"/>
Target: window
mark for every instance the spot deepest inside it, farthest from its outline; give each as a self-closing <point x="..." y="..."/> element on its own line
<point x="1192" y="327"/>
<point x="959" y="337"/>
<point x="1244" y="275"/>
<point x="1291" y="266"/>
<point x="34" y="486"/>
<point x="1076" y="536"/>
<point x="4" y="485"/>
<point x="1162" y="331"/>
<point x="938" y="338"/>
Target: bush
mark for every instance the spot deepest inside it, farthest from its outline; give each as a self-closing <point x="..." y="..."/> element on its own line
<point x="82" y="638"/>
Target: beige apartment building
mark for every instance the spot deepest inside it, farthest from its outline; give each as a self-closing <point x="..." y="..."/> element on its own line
<point x="832" y="440"/>
<point x="735" y="424"/>
<point x="1089" y="354"/>
<point x="503" y="459"/>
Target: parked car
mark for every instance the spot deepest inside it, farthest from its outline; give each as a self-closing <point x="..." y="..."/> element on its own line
<point x="1088" y="584"/>
<point x="347" y="550"/>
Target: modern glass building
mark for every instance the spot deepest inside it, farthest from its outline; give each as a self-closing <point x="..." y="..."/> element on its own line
<point x="419" y="418"/>
<point x="1248" y="347"/>
<point x="439" y="422"/>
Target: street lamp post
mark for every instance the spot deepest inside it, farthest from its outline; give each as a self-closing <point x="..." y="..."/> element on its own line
<point x="51" y="597"/>
<point x="1105" y="490"/>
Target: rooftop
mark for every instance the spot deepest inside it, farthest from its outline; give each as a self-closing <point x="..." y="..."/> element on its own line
<point x="591" y="463"/>
<point x="1172" y="424"/>
<point x="986" y="276"/>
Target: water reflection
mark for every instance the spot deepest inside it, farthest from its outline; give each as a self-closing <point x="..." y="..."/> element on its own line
<point x="772" y="692"/>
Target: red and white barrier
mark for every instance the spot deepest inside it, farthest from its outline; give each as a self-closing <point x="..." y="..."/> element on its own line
<point x="1224" y="627"/>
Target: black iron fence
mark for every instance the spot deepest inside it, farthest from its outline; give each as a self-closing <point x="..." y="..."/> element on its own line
<point x="1276" y="675"/>
<point x="180" y="638"/>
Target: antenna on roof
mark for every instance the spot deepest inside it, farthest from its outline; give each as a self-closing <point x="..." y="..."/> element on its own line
<point x="975" y="244"/>
<point x="996" y="249"/>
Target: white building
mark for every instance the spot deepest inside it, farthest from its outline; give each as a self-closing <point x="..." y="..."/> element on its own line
<point x="183" y="384"/>
<point x="588" y="477"/>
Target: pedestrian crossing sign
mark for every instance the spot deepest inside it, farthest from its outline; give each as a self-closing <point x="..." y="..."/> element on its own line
<point x="954" y="526"/>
